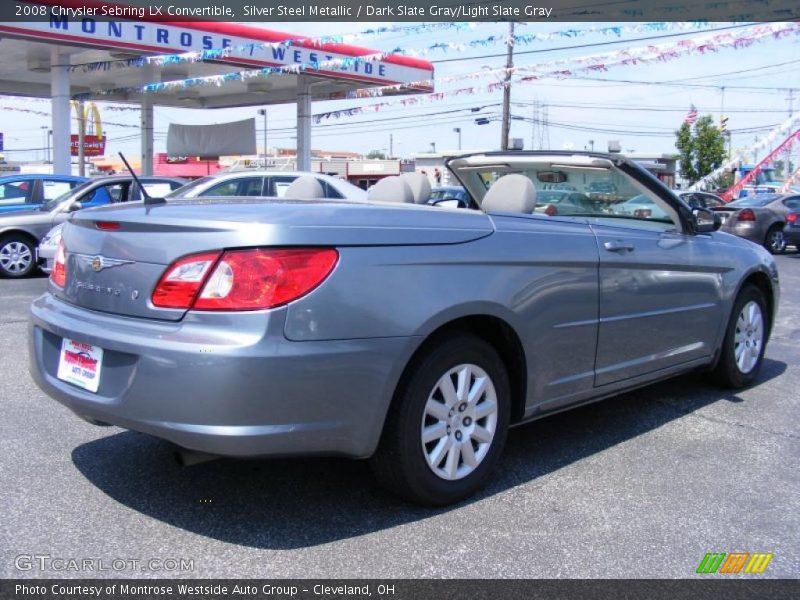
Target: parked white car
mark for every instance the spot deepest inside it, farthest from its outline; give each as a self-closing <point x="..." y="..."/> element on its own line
<point x="266" y="184"/>
<point x="46" y="251"/>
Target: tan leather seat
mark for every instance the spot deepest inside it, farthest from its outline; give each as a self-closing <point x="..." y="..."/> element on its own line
<point x="391" y="189"/>
<point x="305" y="187"/>
<point x="511" y="193"/>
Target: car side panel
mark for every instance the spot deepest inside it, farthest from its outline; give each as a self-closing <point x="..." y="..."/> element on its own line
<point x="536" y="273"/>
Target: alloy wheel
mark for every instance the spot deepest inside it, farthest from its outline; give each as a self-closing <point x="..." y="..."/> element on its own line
<point x="776" y="241"/>
<point x="749" y="337"/>
<point x="15" y="258"/>
<point x="459" y="422"/>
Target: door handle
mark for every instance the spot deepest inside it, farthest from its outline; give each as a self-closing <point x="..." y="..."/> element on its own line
<point x="618" y="246"/>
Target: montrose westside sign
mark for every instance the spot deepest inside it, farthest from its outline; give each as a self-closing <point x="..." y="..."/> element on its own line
<point x="167" y="38"/>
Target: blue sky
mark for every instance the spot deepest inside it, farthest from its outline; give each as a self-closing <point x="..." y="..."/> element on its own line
<point x="572" y="104"/>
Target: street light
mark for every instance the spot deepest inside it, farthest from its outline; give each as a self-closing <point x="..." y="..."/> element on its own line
<point x="263" y="112"/>
<point x="433" y="147"/>
<point x="458" y="131"/>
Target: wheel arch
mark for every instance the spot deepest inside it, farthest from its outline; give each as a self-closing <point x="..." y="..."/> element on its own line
<point x="763" y="282"/>
<point x="5" y="233"/>
<point x="494" y="329"/>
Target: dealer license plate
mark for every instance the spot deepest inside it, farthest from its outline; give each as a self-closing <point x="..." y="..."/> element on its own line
<point x="80" y="364"/>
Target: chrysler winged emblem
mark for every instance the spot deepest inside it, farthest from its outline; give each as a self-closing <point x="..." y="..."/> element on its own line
<point x="98" y="263"/>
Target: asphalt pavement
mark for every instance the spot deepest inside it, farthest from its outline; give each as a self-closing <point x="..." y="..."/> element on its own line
<point x="642" y="485"/>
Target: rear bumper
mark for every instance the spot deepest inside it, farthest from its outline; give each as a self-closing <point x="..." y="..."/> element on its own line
<point x="230" y="384"/>
<point x="792" y="236"/>
<point x="44" y="258"/>
<point x="747" y="230"/>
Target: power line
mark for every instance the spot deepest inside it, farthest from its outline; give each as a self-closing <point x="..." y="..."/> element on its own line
<point x="591" y="45"/>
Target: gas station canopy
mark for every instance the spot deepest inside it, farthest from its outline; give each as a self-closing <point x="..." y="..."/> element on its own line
<point x="96" y="59"/>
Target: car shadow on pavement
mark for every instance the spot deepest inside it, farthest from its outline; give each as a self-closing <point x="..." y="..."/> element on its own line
<point x="294" y="503"/>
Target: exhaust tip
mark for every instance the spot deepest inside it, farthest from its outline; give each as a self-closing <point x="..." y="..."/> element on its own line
<point x="188" y="458"/>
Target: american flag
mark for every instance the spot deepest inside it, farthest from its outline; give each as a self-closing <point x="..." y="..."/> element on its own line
<point x="691" y="116"/>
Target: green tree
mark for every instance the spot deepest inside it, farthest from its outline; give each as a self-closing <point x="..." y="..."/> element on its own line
<point x="376" y="154"/>
<point x="702" y="148"/>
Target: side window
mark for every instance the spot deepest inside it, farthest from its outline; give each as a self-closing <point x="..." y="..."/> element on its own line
<point x="250" y="187"/>
<point x="226" y="188"/>
<point x="157" y="189"/>
<point x="330" y="191"/>
<point x="16" y="192"/>
<point x="246" y="186"/>
<point x="113" y="192"/>
<point x="793" y="202"/>
<point x="694" y="200"/>
<point x="279" y="185"/>
<point x="52" y="189"/>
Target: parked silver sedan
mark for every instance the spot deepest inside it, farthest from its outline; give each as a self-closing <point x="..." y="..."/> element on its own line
<point x="760" y="218"/>
<point x="265" y="183"/>
<point x="407" y="334"/>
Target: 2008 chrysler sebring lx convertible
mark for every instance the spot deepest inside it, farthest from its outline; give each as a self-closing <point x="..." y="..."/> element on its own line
<point x="409" y="333"/>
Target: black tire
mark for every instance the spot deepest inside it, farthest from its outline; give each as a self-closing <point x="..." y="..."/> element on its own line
<point x="774" y="240"/>
<point x="17" y="256"/>
<point x="727" y="372"/>
<point x="400" y="463"/>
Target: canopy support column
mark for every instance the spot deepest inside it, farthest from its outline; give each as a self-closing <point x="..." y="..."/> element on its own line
<point x="147" y="135"/>
<point x="60" y="112"/>
<point x="303" y="123"/>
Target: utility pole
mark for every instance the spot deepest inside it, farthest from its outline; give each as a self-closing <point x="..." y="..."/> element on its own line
<point x="787" y="167"/>
<point x="391" y="146"/>
<point x="506" y="128"/>
<point x="263" y="113"/>
<point x="81" y="108"/>
<point x="458" y="131"/>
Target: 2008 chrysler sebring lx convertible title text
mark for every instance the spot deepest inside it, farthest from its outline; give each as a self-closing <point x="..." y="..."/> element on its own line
<point x="409" y="333"/>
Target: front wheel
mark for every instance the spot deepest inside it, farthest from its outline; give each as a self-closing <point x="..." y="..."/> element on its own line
<point x="745" y="340"/>
<point x="775" y="242"/>
<point x="16" y="256"/>
<point x="448" y="423"/>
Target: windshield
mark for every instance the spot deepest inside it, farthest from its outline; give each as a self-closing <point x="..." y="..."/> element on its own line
<point x="552" y="197"/>
<point x="602" y="193"/>
<point x="189" y="189"/>
<point x="754" y="202"/>
<point x="55" y="202"/>
<point x="441" y="194"/>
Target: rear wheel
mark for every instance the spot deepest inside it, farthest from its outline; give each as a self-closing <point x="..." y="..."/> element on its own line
<point x="775" y="242"/>
<point x="16" y="256"/>
<point x="447" y="425"/>
<point x="745" y="340"/>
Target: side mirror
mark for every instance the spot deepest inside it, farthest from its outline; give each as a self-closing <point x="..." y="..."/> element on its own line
<point x="450" y="203"/>
<point x="705" y="221"/>
<point x="75" y="206"/>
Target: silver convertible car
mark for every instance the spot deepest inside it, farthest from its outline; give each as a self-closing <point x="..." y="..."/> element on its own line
<point x="410" y="334"/>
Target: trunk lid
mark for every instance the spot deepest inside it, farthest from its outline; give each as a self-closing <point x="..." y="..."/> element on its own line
<point x="117" y="271"/>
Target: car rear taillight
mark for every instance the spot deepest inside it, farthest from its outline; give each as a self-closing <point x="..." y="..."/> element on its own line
<point x="254" y="279"/>
<point x="642" y="213"/>
<point x="59" y="274"/>
<point x="551" y="210"/>
<point x="181" y="282"/>
<point x="746" y="215"/>
<point x="791" y="217"/>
